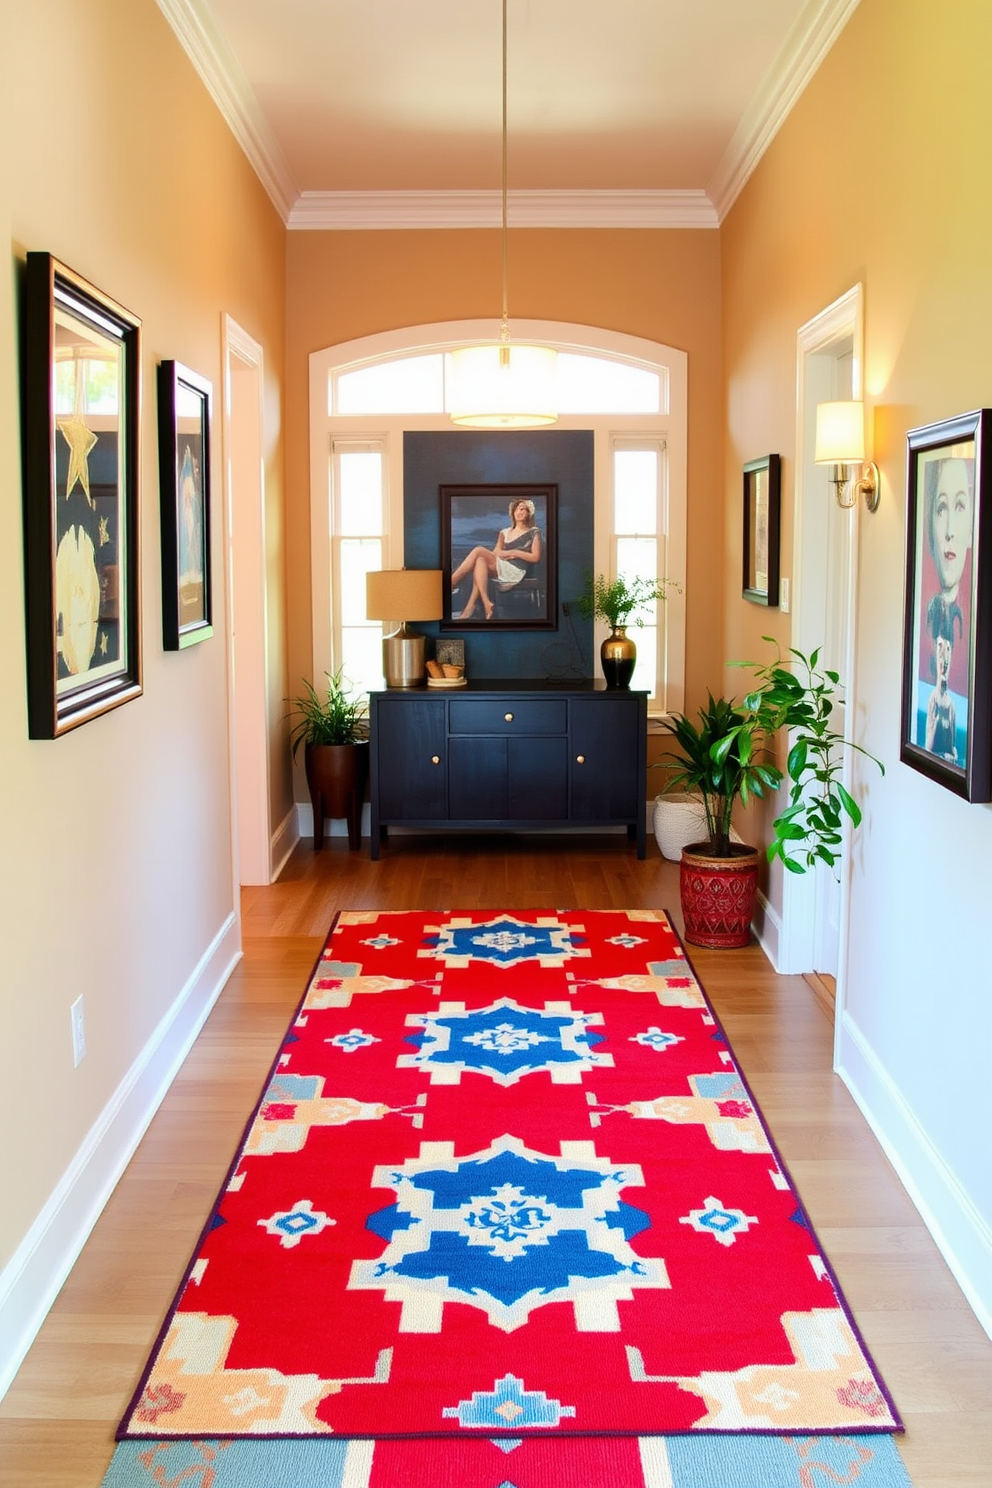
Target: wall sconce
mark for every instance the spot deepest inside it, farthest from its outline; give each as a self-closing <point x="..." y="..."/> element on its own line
<point x="840" y="443"/>
<point x="404" y="594"/>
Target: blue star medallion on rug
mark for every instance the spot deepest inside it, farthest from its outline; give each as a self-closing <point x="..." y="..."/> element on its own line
<point x="505" y="1041"/>
<point x="503" y="941"/>
<point x="557" y="1224"/>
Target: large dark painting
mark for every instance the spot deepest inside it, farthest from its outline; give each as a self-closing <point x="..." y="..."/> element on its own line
<point x="499" y="555"/>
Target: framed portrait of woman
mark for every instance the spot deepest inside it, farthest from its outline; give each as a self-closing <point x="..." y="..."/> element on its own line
<point x="499" y="555"/>
<point x="947" y="667"/>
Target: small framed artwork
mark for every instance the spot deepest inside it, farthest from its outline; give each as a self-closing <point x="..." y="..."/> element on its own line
<point x="450" y="652"/>
<point x="761" y="530"/>
<point x="81" y="390"/>
<point x="947" y="659"/>
<point x="499" y="554"/>
<point x="184" y="476"/>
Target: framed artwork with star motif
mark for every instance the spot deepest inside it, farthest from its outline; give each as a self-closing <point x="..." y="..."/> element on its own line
<point x="184" y="475"/>
<point x="81" y="388"/>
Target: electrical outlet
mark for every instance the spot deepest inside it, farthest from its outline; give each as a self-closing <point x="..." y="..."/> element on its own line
<point x="78" y="1031"/>
<point x="783" y="596"/>
<point x="564" y="606"/>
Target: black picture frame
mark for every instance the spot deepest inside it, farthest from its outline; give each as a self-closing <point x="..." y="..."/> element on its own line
<point x="81" y="398"/>
<point x="762" y="514"/>
<point x="947" y="654"/>
<point x="478" y="517"/>
<point x="184" y="477"/>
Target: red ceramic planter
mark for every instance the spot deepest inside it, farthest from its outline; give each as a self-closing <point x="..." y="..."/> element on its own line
<point x="718" y="895"/>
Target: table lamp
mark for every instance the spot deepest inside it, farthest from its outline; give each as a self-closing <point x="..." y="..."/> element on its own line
<point x="404" y="594"/>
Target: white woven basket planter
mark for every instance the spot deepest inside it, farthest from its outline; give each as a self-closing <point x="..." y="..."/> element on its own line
<point x="679" y="819"/>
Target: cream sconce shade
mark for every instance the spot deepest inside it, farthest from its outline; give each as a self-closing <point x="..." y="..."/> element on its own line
<point x="840" y="443"/>
<point x="403" y="594"/>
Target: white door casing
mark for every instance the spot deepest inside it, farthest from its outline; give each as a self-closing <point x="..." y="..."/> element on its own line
<point x="247" y="640"/>
<point x="825" y="559"/>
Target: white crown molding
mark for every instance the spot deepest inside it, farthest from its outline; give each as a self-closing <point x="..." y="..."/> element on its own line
<point x="321" y="210"/>
<point x="805" y="48"/>
<point x="809" y="41"/>
<point x="207" y="49"/>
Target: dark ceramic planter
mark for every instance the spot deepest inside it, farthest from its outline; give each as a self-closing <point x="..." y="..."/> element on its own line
<point x="337" y="775"/>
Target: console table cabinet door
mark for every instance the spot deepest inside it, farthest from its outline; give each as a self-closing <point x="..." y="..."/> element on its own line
<point x="507" y="779"/>
<point x="412" y="774"/>
<point x="604" y="763"/>
<point x="476" y="779"/>
<point x="537" y="779"/>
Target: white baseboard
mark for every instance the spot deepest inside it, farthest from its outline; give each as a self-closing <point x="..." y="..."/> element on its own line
<point x="960" y="1232"/>
<point x="333" y="827"/>
<point x="284" y="839"/>
<point x="31" y="1280"/>
<point x="767" y="928"/>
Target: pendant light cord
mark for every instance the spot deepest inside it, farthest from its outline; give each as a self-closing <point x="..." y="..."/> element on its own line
<point x="504" y="332"/>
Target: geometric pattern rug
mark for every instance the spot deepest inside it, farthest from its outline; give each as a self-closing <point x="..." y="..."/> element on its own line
<point x="506" y="1181"/>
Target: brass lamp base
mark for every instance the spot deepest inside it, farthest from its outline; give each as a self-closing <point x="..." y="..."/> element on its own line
<point x="403" y="658"/>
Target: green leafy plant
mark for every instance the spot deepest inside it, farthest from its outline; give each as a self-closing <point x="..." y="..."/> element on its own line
<point x="723" y="759"/>
<point x="335" y="719"/>
<point x="727" y="757"/>
<point x="617" y="600"/>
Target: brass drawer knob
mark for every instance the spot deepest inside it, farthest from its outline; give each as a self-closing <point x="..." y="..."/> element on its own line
<point x="435" y="759"/>
<point x="580" y="759"/>
<point x="508" y="717"/>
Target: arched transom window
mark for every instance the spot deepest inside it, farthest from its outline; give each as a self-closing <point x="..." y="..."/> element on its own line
<point x="365" y="394"/>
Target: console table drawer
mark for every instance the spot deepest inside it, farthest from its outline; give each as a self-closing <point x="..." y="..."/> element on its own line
<point x="507" y="716"/>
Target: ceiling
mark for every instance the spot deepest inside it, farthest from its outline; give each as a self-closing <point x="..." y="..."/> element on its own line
<point x="620" y="112"/>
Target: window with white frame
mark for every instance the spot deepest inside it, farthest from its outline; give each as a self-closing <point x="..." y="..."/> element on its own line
<point x="365" y="395"/>
<point x="418" y="384"/>
<point x="358" y="509"/>
<point x="637" y="542"/>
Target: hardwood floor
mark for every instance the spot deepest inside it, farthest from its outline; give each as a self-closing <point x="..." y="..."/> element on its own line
<point x="58" y="1419"/>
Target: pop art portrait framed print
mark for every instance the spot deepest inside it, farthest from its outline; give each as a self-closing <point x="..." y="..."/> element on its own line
<point x="947" y="663"/>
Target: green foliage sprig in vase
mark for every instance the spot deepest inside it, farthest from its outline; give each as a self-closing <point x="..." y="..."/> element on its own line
<point x="620" y="602"/>
<point x="617" y="600"/>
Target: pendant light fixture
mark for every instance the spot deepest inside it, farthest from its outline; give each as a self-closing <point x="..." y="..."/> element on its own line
<point x="502" y="385"/>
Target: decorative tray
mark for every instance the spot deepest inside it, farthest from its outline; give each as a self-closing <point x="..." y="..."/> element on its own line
<point x="447" y="681"/>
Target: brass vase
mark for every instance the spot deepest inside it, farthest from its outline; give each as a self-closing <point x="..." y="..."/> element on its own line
<point x="618" y="655"/>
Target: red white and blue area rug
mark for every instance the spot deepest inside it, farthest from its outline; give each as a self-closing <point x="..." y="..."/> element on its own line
<point x="507" y="1182"/>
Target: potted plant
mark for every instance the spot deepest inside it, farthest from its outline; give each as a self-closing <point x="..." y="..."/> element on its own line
<point x="617" y="601"/>
<point x="334" y="733"/>
<point x="726" y="757"/>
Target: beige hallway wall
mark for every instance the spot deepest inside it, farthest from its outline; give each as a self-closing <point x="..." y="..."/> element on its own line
<point x="881" y="175"/>
<point x="116" y="850"/>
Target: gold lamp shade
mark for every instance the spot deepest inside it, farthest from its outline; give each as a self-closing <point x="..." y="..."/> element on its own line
<point x="403" y="594"/>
